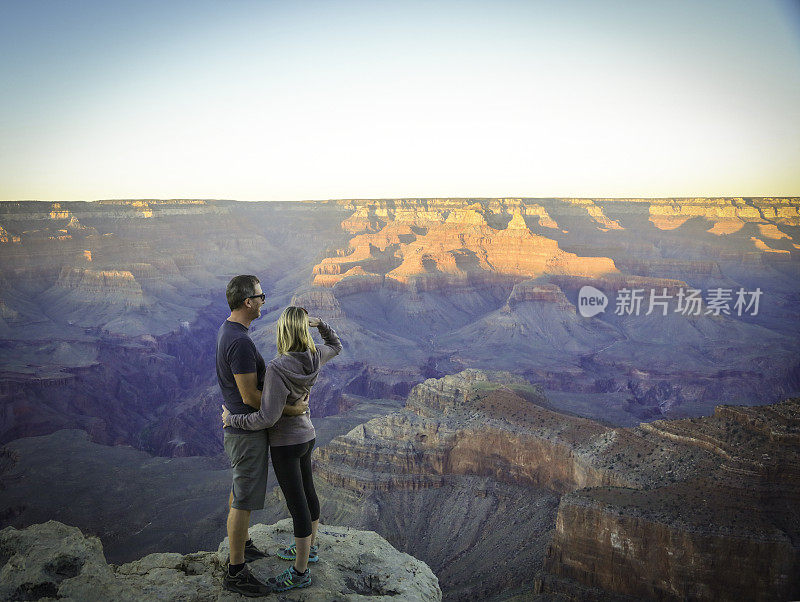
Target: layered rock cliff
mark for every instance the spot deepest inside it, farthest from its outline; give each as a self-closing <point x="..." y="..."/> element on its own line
<point x="444" y="246"/>
<point x="471" y="423"/>
<point x="742" y="229"/>
<point x="110" y="286"/>
<point x="716" y="532"/>
<point x="649" y="511"/>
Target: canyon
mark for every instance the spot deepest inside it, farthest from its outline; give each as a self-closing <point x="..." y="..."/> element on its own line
<point x="94" y="295"/>
<point x="700" y="508"/>
<point x="564" y="427"/>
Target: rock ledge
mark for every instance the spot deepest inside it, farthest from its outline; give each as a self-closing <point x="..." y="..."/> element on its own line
<point x="55" y="561"/>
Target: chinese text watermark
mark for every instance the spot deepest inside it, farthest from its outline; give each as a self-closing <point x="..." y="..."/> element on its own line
<point x="686" y="301"/>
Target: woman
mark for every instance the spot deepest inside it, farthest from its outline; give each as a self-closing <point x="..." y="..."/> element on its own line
<point x="288" y="380"/>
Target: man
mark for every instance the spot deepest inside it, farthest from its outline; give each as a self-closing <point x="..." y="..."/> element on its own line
<point x="240" y="373"/>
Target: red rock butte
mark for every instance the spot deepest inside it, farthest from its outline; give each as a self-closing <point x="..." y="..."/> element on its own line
<point x="436" y="245"/>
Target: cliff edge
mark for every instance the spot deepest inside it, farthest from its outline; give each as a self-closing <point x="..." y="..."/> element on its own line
<point x="54" y="560"/>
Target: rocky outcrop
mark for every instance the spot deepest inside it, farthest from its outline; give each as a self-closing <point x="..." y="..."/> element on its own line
<point x="533" y="291"/>
<point x="101" y="286"/>
<point x="8" y="314"/>
<point x="480" y="423"/>
<point x="471" y="446"/>
<point x="762" y="246"/>
<point x="645" y="512"/>
<point x="5" y="237"/>
<point x="47" y="221"/>
<point x="319" y="302"/>
<point x="667" y="542"/>
<point x="53" y="560"/>
<point x="444" y="246"/>
<point x="481" y="445"/>
<point x="158" y="208"/>
<point x="590" y="208"/>
<point x="354" y="280"/>
<point x="728" y="214"/>
<point x="680" y="269"/>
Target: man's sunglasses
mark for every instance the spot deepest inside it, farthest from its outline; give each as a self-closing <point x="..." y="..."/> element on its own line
<point x="262" y="296"/>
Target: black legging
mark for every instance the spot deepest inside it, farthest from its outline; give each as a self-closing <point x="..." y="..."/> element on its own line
<point x="292" y="466"/>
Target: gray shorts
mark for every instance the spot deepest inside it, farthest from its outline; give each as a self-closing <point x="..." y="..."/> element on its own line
<point x="249" y="455"/>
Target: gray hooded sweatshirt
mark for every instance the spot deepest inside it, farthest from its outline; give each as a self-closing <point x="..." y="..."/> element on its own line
<point x="288" y="380"/>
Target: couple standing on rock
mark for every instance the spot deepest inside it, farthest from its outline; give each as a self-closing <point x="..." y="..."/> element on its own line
<point x="266" y="408"/>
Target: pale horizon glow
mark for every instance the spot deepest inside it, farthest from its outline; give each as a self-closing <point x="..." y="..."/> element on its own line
<point x="317" y="100"/>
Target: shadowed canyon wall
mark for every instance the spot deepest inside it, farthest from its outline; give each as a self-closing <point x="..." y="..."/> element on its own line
<point x="701" y="508"/>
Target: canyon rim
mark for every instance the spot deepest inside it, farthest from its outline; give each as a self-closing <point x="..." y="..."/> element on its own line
<point x="647" y="451"/>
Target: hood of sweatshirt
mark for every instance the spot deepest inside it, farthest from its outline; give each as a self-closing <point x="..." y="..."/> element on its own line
<point x="298" y="371"/>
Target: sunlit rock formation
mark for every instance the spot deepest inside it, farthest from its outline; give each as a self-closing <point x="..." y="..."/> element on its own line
<point x="728" y="214"/>
<point x="105" y="286"/>
<point x="443" y="246"/>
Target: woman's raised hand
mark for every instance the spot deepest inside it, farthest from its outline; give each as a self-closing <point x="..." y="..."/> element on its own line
<point x="313" y="322"/>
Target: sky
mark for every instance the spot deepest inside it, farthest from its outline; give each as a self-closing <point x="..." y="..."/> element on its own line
<point x="298" y="100"/>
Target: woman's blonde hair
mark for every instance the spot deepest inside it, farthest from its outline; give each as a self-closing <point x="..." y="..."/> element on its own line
<point x="292" y="331"/>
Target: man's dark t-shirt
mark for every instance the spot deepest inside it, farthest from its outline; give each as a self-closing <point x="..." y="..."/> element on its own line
<point x="237" y="354"/>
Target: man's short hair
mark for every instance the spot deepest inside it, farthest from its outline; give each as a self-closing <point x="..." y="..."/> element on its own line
<point x="239" y="289"/>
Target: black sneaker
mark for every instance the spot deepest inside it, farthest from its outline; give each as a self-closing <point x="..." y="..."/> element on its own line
<point x="251" y="552"/>
<point x="245" y="583"/>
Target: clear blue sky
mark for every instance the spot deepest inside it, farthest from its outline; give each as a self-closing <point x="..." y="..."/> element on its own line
<point x="311" y="100"/>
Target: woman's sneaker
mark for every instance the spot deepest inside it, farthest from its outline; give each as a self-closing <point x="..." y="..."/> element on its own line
<point x="290" y="553"/>
<point x="246" y="583"/>
<point x="290" y="579"/>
